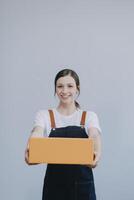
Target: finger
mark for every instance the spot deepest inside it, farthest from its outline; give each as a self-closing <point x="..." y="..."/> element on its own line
<point x="95" y="155"/>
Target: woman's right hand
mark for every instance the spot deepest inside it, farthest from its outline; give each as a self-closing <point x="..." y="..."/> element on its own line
<point x="27" y="157"/>
<point x="36" y="132"/>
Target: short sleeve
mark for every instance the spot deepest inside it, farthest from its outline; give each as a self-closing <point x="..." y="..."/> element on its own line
<point x="93" y="120"/>
<point x="40" y="119"/>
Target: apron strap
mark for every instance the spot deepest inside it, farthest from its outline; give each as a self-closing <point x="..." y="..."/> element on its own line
<point x="82" y="123"/>
<point x="52" y="120"/>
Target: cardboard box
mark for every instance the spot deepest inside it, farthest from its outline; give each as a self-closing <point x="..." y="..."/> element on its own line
<point x="61" y="150"/>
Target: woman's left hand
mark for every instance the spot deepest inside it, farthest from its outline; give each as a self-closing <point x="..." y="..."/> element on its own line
<point x="95" y="160"/>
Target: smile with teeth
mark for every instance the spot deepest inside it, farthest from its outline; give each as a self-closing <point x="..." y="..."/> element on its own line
<point x="65" y="97"/>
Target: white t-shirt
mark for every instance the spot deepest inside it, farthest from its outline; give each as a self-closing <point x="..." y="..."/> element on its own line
<point x="42" y="119"/>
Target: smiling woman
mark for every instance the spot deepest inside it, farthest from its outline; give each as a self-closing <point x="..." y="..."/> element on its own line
<point x="64" y="181"/>
<point x="67" y="84"/>
<point x="66" y="90"/>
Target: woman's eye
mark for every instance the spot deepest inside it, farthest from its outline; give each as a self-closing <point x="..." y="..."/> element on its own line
<point x="60" y="86"/>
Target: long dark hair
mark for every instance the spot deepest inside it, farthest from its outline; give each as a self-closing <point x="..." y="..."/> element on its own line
<point x="66" y="72"/>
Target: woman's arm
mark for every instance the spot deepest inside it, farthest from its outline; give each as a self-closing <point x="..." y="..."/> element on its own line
<point x="36" y="132"/>
<point x="95" y="135"/>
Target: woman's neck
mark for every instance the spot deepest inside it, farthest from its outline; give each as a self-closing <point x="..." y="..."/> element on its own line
<point x="66" y="109"/>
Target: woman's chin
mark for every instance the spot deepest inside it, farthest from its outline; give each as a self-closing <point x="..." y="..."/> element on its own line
<point x="66" y="102"/>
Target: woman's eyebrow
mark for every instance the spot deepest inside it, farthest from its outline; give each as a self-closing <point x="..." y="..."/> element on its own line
<point x="70" y="83"/>
<point x="65" y="83"/>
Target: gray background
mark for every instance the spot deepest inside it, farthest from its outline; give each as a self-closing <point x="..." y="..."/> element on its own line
<point x="94" y="38"/>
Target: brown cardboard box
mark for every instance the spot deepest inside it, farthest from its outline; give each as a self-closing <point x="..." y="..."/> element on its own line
<point x="61" y="150"/>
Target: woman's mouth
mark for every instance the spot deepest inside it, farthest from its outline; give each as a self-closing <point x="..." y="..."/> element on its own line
<point x="65" y="97"/>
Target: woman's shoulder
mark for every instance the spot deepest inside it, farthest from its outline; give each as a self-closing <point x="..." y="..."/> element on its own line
<point x="89" y="112"/>
<point x="91" y="115"/>
<point x="41" y="118"/>
<point x="41" y="112"/>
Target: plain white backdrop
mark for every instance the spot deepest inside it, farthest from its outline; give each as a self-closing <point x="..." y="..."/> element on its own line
<point x="94" y="38"/>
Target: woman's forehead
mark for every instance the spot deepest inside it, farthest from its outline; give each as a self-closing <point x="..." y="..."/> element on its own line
<point x="66" y="80"/>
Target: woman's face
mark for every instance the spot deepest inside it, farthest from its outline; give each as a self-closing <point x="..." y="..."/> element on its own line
<point x="66" y="89"/>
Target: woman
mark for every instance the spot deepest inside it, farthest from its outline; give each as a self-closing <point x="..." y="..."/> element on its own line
<point x="62" y="181"/>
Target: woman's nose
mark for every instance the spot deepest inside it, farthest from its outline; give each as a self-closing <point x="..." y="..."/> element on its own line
<point x="64" y="89"/>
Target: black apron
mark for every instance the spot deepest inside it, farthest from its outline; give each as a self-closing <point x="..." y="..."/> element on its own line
<point x="68" y="181"/>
